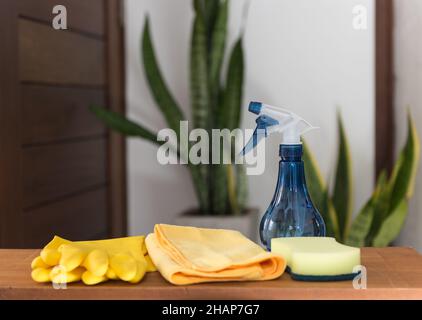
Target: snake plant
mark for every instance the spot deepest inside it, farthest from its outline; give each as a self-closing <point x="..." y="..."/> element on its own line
<point x="215" y="104"/>
<point x="380" y="220"/>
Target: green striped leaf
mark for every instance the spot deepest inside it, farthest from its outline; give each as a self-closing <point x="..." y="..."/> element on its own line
<point x="216" y="21"/>
<point x="381" y="211"/>
<point x="400" y="188"/>
<point x="330" y="217"/>
<point x="222" y="178"/>
<point x="391" y="226"/>
<point x="229" y="112"/>
<point x="211" y="8"/>
<point x="201" y="188"/>
<point x="199" y="75"/>
<point x="403" y="183"/>
<point x="199" y="6"/>
<point x="314" y="180"/>
<point x="219" y="185"/>
<point x="157" y="85"/>
<point x="120" y="123"/>
<point x="319" y="193"/>
<point x="241" y="186"/>
<point x="361" y="225"/>
<point x="343" y="186"/>
<point x="231" y="188"/>
<point x="200" y="95"/>
<point x="216" y="56"/>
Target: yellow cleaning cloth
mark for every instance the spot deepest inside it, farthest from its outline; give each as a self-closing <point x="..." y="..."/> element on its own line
<point x="93" y="262"/>
<point x="186" y="255"/>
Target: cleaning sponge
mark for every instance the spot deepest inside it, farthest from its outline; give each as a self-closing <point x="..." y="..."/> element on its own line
<point x="317" y="258"/>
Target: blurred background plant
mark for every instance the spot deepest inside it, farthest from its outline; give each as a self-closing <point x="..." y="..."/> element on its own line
<point x="220" y="188"/>
<point x="380" y="220"/>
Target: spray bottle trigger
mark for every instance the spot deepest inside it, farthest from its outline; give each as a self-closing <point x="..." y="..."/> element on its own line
<point x="260" y="132"/>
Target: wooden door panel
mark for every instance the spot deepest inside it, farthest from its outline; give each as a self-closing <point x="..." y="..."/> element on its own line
<point x="59" y="113"/>
<point x="54" y="171"/>
<point x="82" y="217"/>
<point x="10" y="187"/>
<point x="61" y="171"/>
<point x="58" y="56"/>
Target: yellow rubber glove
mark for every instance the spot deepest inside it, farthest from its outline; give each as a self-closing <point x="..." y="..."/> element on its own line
<point x="50" y="257"/>
<point x="38" y="263"/>
<point x="111" y="274"/>
<point x="150" y="265"/>
<point x="59" y="275"/>
<point x="92" y="262"/>
<point x="41" y="274"/>
<point x="124" y="265"/>
<point x="72" y="256"/>
<point x="96" y="262"/>
<point x="141" y="269"/>
<point x="90" y="279"/>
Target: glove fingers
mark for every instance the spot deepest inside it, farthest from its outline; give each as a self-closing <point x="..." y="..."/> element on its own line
<point x="111" y="274"/>
<point x="96" y="262"/>
<point x="140" y="272"/>
<point x="63" y="261"/>
<point x="71" y="256"/>
<point x="38" y="263"/>
<point x="144" y="248"/>
<point x="59" y="275"/>
<point x="90" y="279"/>
<point x="56" y="242"/>
<point x="124" y="266"/>
<point x="50" y="257"/>
<point x="41" y="274"/>
<point x="150" y="265"/>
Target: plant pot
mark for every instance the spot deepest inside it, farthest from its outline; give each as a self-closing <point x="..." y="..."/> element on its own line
<point x="247" y="222"/>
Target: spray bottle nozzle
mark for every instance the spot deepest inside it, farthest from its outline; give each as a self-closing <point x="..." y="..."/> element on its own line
<point x="255" y="107"/>
<point x="272" y="119"/>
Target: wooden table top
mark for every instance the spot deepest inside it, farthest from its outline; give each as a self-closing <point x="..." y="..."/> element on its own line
<point x="392" y="273"/>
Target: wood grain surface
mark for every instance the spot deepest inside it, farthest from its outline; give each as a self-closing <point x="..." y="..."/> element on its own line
<point x="52" y="113"/>
<point x="50" y="56"/>
<point x="82" y="216"/>
<point x="58" y="170"/>
<point x="392" y="273"/>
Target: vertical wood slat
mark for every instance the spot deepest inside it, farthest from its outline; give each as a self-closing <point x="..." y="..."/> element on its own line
<point x="384" y="86"/>
<point x="10" y="182"/>
<point x="59" y="56"/>
<point x="116" y="102"/>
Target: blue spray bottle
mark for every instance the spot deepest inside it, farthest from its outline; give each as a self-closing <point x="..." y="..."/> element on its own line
<point x="291" y="212"/>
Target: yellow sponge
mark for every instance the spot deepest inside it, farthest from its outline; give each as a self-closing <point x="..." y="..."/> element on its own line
<point x="317" y="258"/>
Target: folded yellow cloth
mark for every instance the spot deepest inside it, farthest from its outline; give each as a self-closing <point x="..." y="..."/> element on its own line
<point x="187" y="255"/>
<point x="93" y="262"/>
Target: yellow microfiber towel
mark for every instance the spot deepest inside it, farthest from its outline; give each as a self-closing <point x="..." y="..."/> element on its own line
<point x="187" y="255"/>
<point x="93" y="262"/>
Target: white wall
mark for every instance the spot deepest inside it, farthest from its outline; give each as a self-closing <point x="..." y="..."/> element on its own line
<point x="408" y="76"/>
<point x="301" y="54"/>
